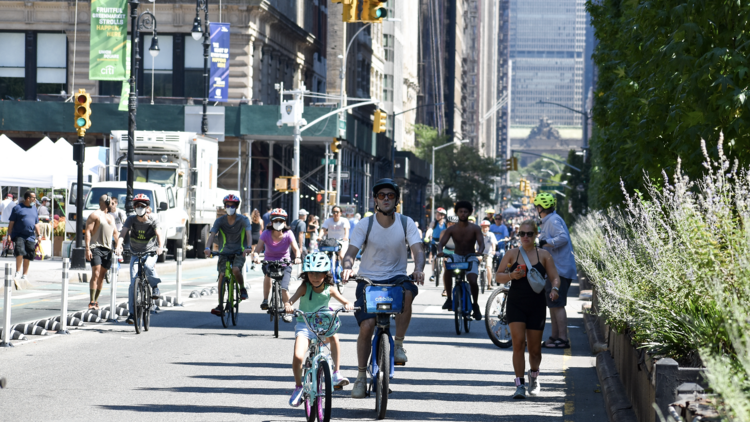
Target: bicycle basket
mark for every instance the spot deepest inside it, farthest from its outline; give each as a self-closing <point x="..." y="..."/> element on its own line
<point x="321" y="322"/>
<point x="329" y="248"/>
<point x="451" y="266"/>
<point x="384" y="299"/>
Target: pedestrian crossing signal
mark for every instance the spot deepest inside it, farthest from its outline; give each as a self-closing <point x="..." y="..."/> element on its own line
<point x="82" y="111"/>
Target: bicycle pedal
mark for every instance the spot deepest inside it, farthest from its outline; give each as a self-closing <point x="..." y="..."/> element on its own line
<point x="389" y="391"/>
<point x="399" y="363"/>
<point x="338" y="387"/>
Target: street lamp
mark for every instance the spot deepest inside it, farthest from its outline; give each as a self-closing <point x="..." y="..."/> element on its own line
<point x="197" y="32"/>
<point x="393" y="134"/>
<point x="456" y="142"/>
<point x="146" y="21"/>
<point x="586" y="116"/>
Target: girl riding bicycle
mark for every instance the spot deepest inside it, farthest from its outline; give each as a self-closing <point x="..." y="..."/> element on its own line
<point x="314" y="294"/>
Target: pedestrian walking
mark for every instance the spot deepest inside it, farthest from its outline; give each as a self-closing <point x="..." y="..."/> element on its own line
<point x="117" y="213"/>
<point x="100" y="230"/>
<point x="555" y="238"/>
<point x="256" y="226"/>
<point x="313" y="230"/>
<point x="22" y="226"/>
<point x="8" y="204"/>
<point x="526" y="310"/>
<point x="299" y="229"/>
<point x="45" y="229"/>
<point x="267" y="219"/>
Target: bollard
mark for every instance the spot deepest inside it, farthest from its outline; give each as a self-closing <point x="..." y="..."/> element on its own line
<point x="113" y="292"/>
<point x="178" y="258"/>
<point x="64" y="306"/>
<point x="6" y="319"/>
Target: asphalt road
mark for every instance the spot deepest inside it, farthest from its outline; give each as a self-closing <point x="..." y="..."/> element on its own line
<point x="189" y="368"/>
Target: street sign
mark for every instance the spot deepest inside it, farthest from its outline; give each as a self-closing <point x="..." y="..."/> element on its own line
<point x="547" y="188"/>
<point x="342" y="124"/>
<point x="344" y="175"/>
<point x="331" y="161"/>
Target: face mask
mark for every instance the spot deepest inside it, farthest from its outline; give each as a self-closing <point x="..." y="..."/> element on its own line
<point x="231" y="211"/>
<point x="278" y="225"/>
<point x="140" y="211"/>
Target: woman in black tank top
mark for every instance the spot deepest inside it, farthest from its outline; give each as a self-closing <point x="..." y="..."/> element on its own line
<point x="256" y="226"/>
<point x="526" y="310"/>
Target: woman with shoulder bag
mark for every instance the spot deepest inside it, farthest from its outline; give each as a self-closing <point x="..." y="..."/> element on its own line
<point x="527" y="308"/>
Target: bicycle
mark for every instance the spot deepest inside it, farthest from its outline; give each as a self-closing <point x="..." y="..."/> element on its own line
<point x="317" y="373"/>
<point x="385" y="301"/>
<point x="141" y="293"/>
<point x="275" y="271"/>
<point x="332" y="252"/>
<point x="461" y="293"/>
<point x="437" y="270"/>
<point x="495" y="319"/>
<point x="483" y="274"/>
<point x="229" y="291"/>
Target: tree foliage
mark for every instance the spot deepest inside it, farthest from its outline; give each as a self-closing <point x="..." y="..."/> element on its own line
<point x="670" y="73"/>
<point x="460" y="172"/>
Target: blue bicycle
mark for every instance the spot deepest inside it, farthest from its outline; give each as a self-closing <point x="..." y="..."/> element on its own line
<point x="332" y="250"/>
<point x="385" y="301"/>
<point x="461" y="292"/>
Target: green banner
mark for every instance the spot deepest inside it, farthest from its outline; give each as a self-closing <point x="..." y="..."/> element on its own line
<point x="125" y="93"/>
<point x="109" y="30"/>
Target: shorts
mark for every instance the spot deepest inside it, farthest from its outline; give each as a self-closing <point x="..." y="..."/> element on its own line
<point x="285" y="279"/>
<point x="301" y="330"/>
<point x="460" y="258"/>
<point x="433" y="247"/>
<point x="237" y="262"/>
<point x="533" y="315"/>
<point x="362" y="315"/>
<point x="25" y="248"/>
<point x="563" y="299"/>
<point x="101" y="256"/>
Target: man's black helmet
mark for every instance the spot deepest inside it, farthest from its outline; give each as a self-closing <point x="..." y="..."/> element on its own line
<point x="386" y="183"/>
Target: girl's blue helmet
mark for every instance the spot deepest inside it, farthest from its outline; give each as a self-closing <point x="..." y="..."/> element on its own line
<point x="317" y="262"/>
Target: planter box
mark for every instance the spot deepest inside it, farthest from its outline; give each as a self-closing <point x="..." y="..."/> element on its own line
<point x="57" y="249"/>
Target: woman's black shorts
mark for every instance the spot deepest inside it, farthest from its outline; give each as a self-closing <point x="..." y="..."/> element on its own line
<point x="533" y="314"/>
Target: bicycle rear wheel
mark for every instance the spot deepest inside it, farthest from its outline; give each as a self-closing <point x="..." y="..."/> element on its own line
<point x="276" y="304"/>
<point x="236" y="303"/>
<point x="146" y="306"/>
<point x="383" y="377"/>
<point x="482" y="280"/>
<point x="495" y="319"/>
<point x="438" y="270"/>
<point x="458" y="304"/>
<point x="226" y="301"/>
<point x="136" y="311"/>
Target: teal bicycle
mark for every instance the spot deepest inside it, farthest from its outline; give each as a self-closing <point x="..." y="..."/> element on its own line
<point x="317" y="373"/>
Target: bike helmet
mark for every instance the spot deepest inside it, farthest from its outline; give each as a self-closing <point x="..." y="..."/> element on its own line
<point x="317" y="262"/>
<point x="386" y="183"/>
<point x="278" y="213"/>
<point x="545" y="200"/>
<point x="44" y="198"/>
<point x="489" y="211"/>
<point x="231" y="198"/>
<point x="441" y="211"/>
<point x="141" y="198"/>
<point x="484" y="223"/>
<point x="367" y="214"/>
<point x="453" y="219"/>
<point x="472" y="218"/>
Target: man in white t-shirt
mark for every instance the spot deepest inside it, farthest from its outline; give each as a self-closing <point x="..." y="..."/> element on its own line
<point x="383" y="261"/>
<point x="337" y="227"/>
<point x="9" y="204"/>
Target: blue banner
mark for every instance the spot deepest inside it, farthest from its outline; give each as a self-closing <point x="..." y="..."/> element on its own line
<point x="219" y="54"/>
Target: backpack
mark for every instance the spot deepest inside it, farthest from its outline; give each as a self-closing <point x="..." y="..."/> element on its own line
<point x="369" y="228"/>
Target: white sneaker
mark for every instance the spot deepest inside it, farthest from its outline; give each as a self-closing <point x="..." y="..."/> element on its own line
<point x="18" y="275"/>
<point x="399" y="355"/>
<point x="339" y="380"/>
<point x="534" y="386"/>
<point x="359" y="391"/>
<point x="520" y="392"/>
<point x="24" y="277"/>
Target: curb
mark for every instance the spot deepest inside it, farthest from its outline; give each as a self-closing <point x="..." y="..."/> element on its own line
<point x="616" y="401"/>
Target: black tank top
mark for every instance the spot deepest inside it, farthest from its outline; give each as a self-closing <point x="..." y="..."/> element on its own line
<point x="255" y="229"/>
<point x="521" y="288"/>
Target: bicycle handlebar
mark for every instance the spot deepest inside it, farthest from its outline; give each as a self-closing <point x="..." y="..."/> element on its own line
<point x="279" y="262"/>
<point x="142" y="254"/>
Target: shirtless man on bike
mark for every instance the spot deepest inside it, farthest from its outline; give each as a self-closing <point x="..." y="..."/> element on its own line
<point x="465" y="236"/>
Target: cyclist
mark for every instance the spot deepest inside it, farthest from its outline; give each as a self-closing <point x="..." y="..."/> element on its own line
<point x="314" y="294"/>
<point x="146" y="235"/>
<point x="337" y="227"/>
<point x="465" y="236"/>
<point x="235" y="231"/>
<point x="384" y="261"/>
<point x="502" y="235"/>
<point x="276" y="240"/>
<point x="488" y="214"/>
<point x="447" y="250"/>
<point x="490" y="243"/>
<point x="526" y="310"/>
<point x="434" y="230"/>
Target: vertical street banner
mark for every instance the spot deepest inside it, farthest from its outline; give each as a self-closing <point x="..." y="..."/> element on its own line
<point x="125" y="91"/>
<point x="109" y="30"/>
<point x="219" y="55"/>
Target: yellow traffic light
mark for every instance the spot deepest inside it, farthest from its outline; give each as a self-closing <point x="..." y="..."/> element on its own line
<point x="331" y="197"/>
<point x="82" y="112"/>
<point x="336" y="145"/>
<point x="374" y="10"/>
<point x="349" y="13"/>
<point x="379" y="121"/>
<point x="514" y="164"/>
<point x="522" y="185"/>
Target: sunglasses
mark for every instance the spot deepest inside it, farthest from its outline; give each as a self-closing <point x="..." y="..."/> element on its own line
<point x="390" y="195"/>
<point x="337" y="212"/>
<point x="526" y="234"/>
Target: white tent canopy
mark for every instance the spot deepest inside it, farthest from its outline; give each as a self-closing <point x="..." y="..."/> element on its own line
<point x="46" y="165"/>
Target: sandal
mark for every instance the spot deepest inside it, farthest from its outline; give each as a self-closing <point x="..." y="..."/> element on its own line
<point x="96" y="305"/>
<point x="557" y="344"/>
<point x="444" y="293"/>
<point x="92" y="305"/>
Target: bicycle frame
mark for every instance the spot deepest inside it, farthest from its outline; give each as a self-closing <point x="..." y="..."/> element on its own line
<point x="460" y="282"/>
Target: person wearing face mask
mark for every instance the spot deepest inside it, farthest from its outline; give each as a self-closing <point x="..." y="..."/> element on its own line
<point x="146" y="235"/>
<point x="235" y="237"/>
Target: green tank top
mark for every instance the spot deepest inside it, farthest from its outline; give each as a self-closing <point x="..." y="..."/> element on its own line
<point x="312" y="301"/>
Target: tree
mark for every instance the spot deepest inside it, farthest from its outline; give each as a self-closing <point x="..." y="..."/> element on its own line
<point x="575" y="203"/>
<point x="460" y="172"/>
<point x="670" y="73"/>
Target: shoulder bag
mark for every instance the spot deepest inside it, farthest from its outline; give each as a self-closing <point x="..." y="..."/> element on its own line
<point x="536" y="281"/>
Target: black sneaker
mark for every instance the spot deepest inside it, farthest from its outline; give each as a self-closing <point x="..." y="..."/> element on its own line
<point x="155" y="293"/>
<point x="218" y="311"/>
<point x="477" y="314"/>
<point x="264" y="305"/>
<point x="243" y="294"/>
<point x="448" y="305"/>
<point x="130" y="320"/>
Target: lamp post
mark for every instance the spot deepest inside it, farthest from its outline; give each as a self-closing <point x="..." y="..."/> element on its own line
<point x="197" y="32"/>
<point x="393" y="134"/>
<point x="456" y="142"/>
<point x="149" y="22"/>
<point x="586" y="116"/>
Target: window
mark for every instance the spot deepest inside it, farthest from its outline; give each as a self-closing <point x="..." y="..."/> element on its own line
<point x="388" y="43"/>
<point x="51" y="63"/>
<point x="12" y="65"/>
<point x="161" y="65"/>
<point x="170" y="198"/>
<point x="388" y="88"/>
<point x="194" y="84"/>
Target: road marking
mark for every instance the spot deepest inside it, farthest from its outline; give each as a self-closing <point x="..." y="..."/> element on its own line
<point x="570" y="406"/>
<point x="30" y="295"/>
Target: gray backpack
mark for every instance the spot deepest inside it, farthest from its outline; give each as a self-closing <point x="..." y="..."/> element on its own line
<point x="370" y="220"/>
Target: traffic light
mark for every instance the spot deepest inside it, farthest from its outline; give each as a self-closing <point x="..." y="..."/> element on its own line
<point x="522" y="185"/>
<point x="379" y="122"/>
<point x="514" y="163"/>
<point x="374" y="10"/>
<point x="350" y="10"/>
<point x="82" y="112"/>
<point x="509" y="164"/>
<point x="335" y="145"/>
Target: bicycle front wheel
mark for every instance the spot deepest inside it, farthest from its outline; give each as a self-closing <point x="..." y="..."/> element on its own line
<point x="325" y="392"/>
<point x="458" y="304"/>
<point x="482" y="280"/>
<point x="226" y="302"/>
<point x="438" y="271"/>
<point x="383" y="377"/>
<point x="495" y="319"/>
<point x="146" y="308"/>
<point x="276" y="304"/>
<point x="136" y="311"/>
